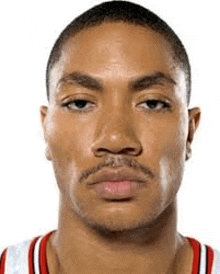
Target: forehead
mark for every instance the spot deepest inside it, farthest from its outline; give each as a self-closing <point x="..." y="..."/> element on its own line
<point x="118" y="51"/>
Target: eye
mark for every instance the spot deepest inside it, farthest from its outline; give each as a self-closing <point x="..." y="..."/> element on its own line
<point x="78" y="104"/>
<point x="156" y="105"/>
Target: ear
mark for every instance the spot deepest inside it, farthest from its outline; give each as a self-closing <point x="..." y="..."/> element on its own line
<point x="194" y="115"/>
<point x="43" y="114"/>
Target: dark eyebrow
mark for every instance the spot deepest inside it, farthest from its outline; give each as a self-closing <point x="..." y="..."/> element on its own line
<point x="137" y="84"/>
<point x="147" y="81"/>
<point x="83" y="80"/>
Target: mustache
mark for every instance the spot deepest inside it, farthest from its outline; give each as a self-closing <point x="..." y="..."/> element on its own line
<point x="116" y="162"/>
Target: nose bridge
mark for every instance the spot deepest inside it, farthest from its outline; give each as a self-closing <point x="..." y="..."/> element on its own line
<point x="116" y="116"/>
<point x="116" y="119"/>
<point x="116" y="127"/>
<point x="115" y="131"/>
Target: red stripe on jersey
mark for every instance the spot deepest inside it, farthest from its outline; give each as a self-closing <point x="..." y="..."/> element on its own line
<point x="42" y="255"/>
<point x="2" y="262"/>
<point x="210" y="257"/>
<point x="31" y="256"/>
<point x="196" y="255"/>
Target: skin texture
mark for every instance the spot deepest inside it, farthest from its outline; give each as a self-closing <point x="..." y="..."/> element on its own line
<point x="123" y="123"/>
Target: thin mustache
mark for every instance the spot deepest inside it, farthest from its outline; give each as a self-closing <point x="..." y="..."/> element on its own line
<point x="116" y="163"/>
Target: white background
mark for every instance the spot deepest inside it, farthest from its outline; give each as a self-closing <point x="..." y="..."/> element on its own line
<point x="28" y="193"/>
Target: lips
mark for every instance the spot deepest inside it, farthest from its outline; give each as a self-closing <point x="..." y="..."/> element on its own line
<point x="117" y="184"/>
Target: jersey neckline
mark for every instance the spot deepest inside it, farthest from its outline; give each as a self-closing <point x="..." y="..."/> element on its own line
<point x="43" y="266"/>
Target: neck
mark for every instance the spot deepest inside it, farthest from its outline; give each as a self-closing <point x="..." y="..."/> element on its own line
<point x="151" y="249"/>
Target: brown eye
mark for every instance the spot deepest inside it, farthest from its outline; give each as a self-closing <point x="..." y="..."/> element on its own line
<point x="78" y="105"/>
<point x="155" y="105"/>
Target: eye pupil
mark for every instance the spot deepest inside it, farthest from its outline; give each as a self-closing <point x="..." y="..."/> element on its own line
<point x="80" y="103"/>
<point x="152" y="103"/>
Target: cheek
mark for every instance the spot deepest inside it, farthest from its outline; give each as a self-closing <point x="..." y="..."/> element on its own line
<point x="172" y="160"/>
<point x="164" y="146"/>
<point x="68" y="142"/>
<point x="166" y="138"/>
<point x="68" y="138"/>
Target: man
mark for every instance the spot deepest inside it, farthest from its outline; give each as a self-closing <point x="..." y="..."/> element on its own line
<point x="118" y="132"/>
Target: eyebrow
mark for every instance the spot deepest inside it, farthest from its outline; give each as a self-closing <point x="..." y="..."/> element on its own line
<point x="135" y="84"/>
<point x="83" y="80"/>
<point x="147" y="81"/>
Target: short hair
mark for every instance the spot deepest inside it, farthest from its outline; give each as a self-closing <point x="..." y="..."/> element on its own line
<point x="128" y="12"/>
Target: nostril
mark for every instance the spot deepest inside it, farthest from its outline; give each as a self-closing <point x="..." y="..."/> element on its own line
<point x="133" y="151"/>
<point x="136" y="150"/>
<point x="117" y="140"/>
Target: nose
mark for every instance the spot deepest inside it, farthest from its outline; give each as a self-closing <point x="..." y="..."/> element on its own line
<point x="116" y="135"/>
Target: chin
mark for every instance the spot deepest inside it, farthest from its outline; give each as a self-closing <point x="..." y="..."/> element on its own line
<point x="113" y="225"/>
<point x="119" y="221"/>
<point x="107" y="217"/>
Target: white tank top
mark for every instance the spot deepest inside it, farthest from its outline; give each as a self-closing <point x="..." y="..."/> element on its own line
<point x="29" y="257"/>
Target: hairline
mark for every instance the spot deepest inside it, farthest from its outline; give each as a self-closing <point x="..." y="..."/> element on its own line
<point x="175" y="58"/>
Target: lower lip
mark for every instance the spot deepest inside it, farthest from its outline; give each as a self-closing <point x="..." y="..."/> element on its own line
<point x="117" y="190"/>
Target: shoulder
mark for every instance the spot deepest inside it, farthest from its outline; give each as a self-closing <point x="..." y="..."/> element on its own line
<point x="15" y="257"/>
<point x="20" y="257"/>
<point x="216" y="263"/>
<point x="206" y="259"/>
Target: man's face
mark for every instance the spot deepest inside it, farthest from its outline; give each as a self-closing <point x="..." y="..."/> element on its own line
<point x="117" y="109"/>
